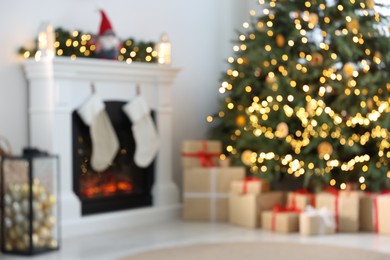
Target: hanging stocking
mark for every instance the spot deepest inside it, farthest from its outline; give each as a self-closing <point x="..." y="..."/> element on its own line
<point x="105" y="144"/>
<point x="144" y="131"/>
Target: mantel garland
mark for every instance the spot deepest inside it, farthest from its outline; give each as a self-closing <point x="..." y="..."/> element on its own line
<point x="78" y="44"/>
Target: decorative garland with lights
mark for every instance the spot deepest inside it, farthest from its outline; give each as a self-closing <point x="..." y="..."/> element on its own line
<point x="78" y="44"/>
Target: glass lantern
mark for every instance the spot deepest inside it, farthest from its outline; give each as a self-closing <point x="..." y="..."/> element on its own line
<point x="29" y="203"/>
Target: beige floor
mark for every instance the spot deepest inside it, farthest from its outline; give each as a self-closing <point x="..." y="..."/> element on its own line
<point x="128" y="242"/>
<point x="259" y="251"/>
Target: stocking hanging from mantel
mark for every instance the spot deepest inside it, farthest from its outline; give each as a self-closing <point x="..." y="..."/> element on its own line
<point x="105" y="144"/>
<point x="144" y="131"/>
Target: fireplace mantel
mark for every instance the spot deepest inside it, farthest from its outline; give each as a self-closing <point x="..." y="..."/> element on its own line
<point x="57" y="87"/>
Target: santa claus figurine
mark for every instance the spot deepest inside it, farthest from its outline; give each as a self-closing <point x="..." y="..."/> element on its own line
<point x="107" y="44"/>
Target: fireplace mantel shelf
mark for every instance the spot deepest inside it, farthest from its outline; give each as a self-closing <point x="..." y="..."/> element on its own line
<point x="58" y="87"/>
<point x="98" y="69"/>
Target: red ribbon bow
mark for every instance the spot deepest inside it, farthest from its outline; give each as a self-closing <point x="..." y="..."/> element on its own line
<point x="376" y="218"/>
<point x="280" y="209"/>
<point x="246" y="182"/>
<point x="205" y="158"/>
<point x="302" y="192"/>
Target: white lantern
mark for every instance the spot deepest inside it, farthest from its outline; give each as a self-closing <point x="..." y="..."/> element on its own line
<point x="46" y="39"/>
<point x="164" y="50"/>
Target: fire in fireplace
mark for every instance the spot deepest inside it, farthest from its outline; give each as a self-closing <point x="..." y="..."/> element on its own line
<point x="123" y="185"/>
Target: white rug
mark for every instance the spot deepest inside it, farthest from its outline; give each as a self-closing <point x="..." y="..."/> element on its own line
<point x="259" y="251"/>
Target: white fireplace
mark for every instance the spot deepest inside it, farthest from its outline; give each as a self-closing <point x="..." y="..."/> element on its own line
<point x="57" y="87"/>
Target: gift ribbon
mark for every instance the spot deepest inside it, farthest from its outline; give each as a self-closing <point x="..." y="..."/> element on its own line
<point x="336" y="202"/>
<point x="280" y="209"/>
<point x="376" y="217"/>
<point x="302" y="192"/>
<point x="246" y="182"/>
<point x="324" y="214"/>
<point x="205" y="158"/>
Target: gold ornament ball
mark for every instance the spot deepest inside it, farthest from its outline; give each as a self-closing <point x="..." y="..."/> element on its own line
<point x="317" y="59"/>
<point x="50" y="221"/>
<point x="246" y="157"/>
<point x="313" y="18"/>
<point x="378" y="55"/>
<point x="270" y="80"/>
<point x="53" y="243"/>
<point x="280" y="40"/>
<point x="353" y="24"/>
<point x="25" y="190"/>
<point x="370" y="4"/>
<point x="325" y="148"/>
<point x="348" y="69"/>
<point x="9" y="246"/>
<point x="281" y="130"/>
<point x="240" y="120"/>
<point x="370" y="104"/>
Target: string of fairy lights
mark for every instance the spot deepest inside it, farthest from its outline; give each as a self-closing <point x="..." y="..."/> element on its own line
<point x="76" y="43"/>
<point x="340" y="76"/>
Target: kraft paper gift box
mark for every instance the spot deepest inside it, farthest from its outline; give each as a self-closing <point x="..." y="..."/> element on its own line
<point x="316" y="222"/>
<point x="345" y="207"/>
<point x="300" y="199"/>
<point x="284" y="221"/>
<point x="206" y="192"/>
<point x="200" y="153"/>
<point x="249" y="185"/>
<point x="244" y="204"/>
<point x="367" y="212"/>
<point x="382" y="211"/>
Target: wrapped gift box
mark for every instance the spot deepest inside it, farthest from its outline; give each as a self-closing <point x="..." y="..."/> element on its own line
<point x="285" y="222"/>
<point x="382" y="212"/>
<point x="300" y="199"/>
<point x="316" y="222"/>
<point x="206" y="192"/>
<point x="244" y="207"/>
<point x="345" y="207"/>
<point x="200" y="153"/>
<point x="366" y="213"/>
<point x="253" y="186"/>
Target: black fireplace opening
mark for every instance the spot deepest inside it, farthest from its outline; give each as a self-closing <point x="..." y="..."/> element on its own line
<point x="123" y="185"/>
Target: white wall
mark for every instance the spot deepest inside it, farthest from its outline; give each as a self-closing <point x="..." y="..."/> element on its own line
<point x="200" y="31"/>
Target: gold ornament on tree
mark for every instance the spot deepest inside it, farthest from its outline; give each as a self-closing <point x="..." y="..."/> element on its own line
<point x="281" y="130"/>
<point x="348" y="69"/>
<point x="370" y="4"/>
<point x="324" y="148"/>
<point x="270" y="79"/>
<point x="246" y="157"/>
<point x="317" y="59"/>
<point x="280" y="40"/>
<point x="370" y="104"/>
<point x="240" y="120"/>
<point x="353" y="25"/>
<point x="313" y="19"/>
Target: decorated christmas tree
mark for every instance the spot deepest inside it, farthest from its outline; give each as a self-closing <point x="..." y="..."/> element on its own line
<point x="306" y="95"/>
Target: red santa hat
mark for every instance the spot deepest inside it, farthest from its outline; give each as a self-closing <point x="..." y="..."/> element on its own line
<point x="105" y="25"/>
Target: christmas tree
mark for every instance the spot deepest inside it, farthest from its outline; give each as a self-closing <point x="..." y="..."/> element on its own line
<point x="306" y="95"/>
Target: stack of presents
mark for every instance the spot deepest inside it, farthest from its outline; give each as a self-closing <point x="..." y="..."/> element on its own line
<point x="212" y="192"/>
